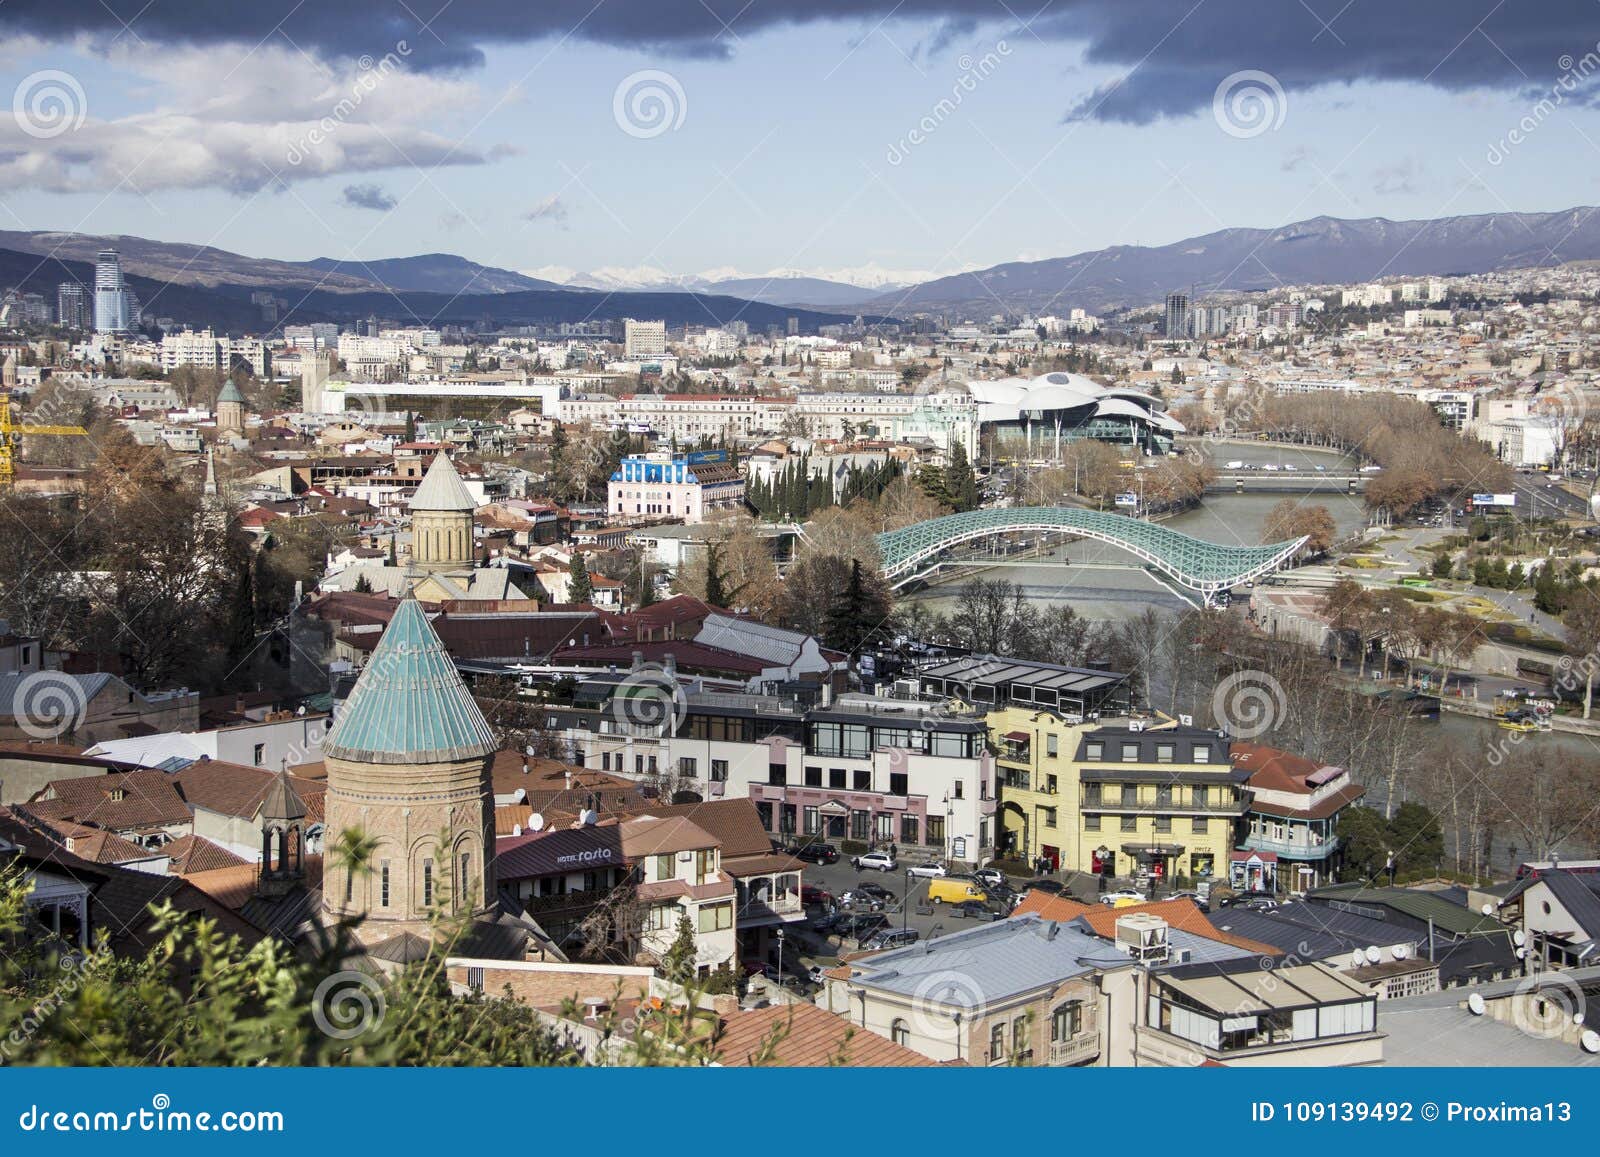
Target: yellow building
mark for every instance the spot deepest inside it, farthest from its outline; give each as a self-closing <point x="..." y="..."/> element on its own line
<point x="1117" y="799"/>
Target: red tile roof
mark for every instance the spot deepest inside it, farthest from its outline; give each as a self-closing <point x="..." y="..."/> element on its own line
<point x="806" y="1036"/>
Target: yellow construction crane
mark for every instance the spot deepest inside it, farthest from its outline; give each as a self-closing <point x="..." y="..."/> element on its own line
<point x="11" y="435"/>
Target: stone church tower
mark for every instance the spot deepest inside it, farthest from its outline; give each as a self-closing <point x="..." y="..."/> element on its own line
<point x="230" y="410"/>
<point x="441" y="520"/>
<point x="408" y="764"/>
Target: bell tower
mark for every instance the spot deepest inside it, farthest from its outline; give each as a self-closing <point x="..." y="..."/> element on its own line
<point x="441" y="520"/>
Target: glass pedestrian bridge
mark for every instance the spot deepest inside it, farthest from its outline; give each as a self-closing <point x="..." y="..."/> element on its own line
<point x="1205" y="567"/>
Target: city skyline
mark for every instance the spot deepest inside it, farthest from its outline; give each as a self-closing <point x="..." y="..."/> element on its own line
<point x="871" y="149"/>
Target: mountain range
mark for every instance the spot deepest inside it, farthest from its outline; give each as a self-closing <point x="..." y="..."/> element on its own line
<point x="1321" y="250"/>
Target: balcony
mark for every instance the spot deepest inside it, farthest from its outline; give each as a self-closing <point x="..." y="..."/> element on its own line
<point x="1075" y="1050"/>
<point x="1157" y="808"/>
<point x="1291" y="850"/>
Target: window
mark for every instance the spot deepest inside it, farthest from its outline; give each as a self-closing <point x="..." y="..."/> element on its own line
<point x="860" y="825"/>
<point x="936" y="831"/>
<point x="1019" y="1034"/>
<point x="652" y="763"/>
<point x="764" y="811"/>
<point x="813" y="820"/>
<point x="1094" y="752"/>
<point x="260" y="753"/>
<point x="1130" y="753"/>
<point x="1049" y="816"/>
<point x="884" y="826"/>
<point x="908" y="829"/>
<point x="862" y="780"/>
<point x="688" y="766"/>
<point x="638" y="765"/>
<point x="1163" y="823"/>
<point x="661" y="917"/>
<point x="1052" y="744"/>
<point x="717" y="917"/>
<point x="787" y="816"/>
<point x="1130" y="794"/>
<point x="1165" y="752"/>
<point x="719" y="771"/>
<point x="1130" y="823"/>
<point x="836" y="777"/>
<point x="899" y="783"/>
<point x="1066" y="1022"/>
<point x="959" y="790"/>
<point x="664" y="868"/>
<point x="1199" y="825"/>
<point x="383" y="884"/>
<point x="1091" y="823"/>
<point x="778" y="774"/>
<point x="349" y="888"/>
<point x="997" y="1041"/>
<point x="900" y="1032"/>
<point x="813" y="777"/>
<point x="1201" y="754"/>
<point x="427" y="883"/>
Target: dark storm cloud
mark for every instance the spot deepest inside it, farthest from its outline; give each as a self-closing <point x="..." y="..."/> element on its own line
<point x="1174" y="52"/>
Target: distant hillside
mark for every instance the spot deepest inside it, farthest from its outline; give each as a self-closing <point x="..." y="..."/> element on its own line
<point x="812" y="291"/>
<point x="228" y="307"/>
<point x="432" y="273"/>
<point x="1321" y="250"/>
<point x="179" y="262"/>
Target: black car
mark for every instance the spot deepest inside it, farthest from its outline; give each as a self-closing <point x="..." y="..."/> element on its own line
<point x="1249" y="899"/>
<point x="1054" y="887"/>
<point x="876" y="891"/>
<point x="972" y="910"/>
<point x="818" y="853"/>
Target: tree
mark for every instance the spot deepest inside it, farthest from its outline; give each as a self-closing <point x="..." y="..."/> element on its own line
<point x="579" y="588"/>
<point x="857" y="613"/>
<point x="1291" y="519"/>
<point x="678" y="961"/>
<point x="1364" y="835"/>
<point x="1582" y="623"/>
<point x="959" y="480"/>
<point x="1415" y="838"/>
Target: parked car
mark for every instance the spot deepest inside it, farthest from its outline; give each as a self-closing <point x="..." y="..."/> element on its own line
<point x="817" y="853"/>
<point x="1122" y="899"/>
<point x="931" y="869"/>
<point x="989" y="877"/>
<point x="811" y="894"/>
<point x="876" y="891"/>
<point x="875" y="861"/>
<point x="860" y="927"/>
<point x="1054" y="887"/>
<point x="972" y="910"/>
<point x="955" y="890"/>
<point x="1240" y="899"/>
<point x="892" y="938"/>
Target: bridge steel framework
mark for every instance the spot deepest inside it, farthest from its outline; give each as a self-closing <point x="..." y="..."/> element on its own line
<point x="1207" y="568"/>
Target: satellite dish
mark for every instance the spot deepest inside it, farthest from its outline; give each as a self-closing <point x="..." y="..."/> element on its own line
<point x="1519" y="938"/>
<point x="1357" y="958"/>
<point x="1475" y="1004"/>
<point x="1590" y="1040"/>
<point x="536" y="822"/>
<point x="1401" y="951"/>
<point x="1373" y="955"/>
<point x="1521" y="952"/>
<point x="528" y="750"/>
<point x="587" y="816"/>
<point x="516" y="830"/>
<point x="1488" y="909"/>
<point x="1577" y="1018"/>
<point x="519" y="796"/>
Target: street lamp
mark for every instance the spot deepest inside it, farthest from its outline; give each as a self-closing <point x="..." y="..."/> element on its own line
<point x="780" y="957"/>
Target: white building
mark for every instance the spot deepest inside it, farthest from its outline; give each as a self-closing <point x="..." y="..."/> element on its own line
<point x="644" y="339"/>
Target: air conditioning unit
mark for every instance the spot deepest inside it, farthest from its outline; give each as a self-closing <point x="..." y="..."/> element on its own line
<point x="1143" y="937"/>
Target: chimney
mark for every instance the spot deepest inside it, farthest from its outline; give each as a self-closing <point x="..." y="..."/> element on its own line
<point x="670" y="665"/>
<point x="566" y="773"/>
<point x="638" y="661"/>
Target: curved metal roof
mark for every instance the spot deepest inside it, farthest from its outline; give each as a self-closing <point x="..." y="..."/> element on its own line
<point x="442" y="488"/>
<point x="1202" y="566"/>
<point x="410" y="705"/>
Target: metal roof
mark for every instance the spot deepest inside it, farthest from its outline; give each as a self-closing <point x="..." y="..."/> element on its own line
<point x="442" y="488"/>
<point x="409" y="705"/>
<point x="1203" y="566"/>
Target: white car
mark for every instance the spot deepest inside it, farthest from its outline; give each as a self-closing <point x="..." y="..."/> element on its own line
<point x="931" y="869"/>
<point x="1120" y="899"/>
<point x="876" y="861"/>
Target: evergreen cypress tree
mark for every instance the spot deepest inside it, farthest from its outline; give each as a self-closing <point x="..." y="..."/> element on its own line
<point x="579" y="588"/>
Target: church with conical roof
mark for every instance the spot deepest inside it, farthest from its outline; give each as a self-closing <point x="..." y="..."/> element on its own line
<point x="442" y="554"/>
<point x="408" y="766"/>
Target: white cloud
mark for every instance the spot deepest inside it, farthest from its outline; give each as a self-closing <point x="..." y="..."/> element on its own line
<point x="276" y="116"/>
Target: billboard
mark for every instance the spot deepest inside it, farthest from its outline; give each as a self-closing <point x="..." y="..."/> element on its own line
<point x="703" y="457"/>
<point x="1493" y="500"/>
<point x="1127" y="500"/>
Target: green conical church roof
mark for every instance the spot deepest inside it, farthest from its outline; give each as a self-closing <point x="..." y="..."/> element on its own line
<point x="409" y="705"/>
<point x="230" y="393"/>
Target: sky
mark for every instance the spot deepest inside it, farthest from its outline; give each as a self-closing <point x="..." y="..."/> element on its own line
<point x="856" y="137"/>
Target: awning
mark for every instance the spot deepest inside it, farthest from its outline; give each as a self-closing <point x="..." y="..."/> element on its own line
<point x="1018" y="736"/>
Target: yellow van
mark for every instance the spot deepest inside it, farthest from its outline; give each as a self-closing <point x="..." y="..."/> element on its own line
<point x="954" y="889"/>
